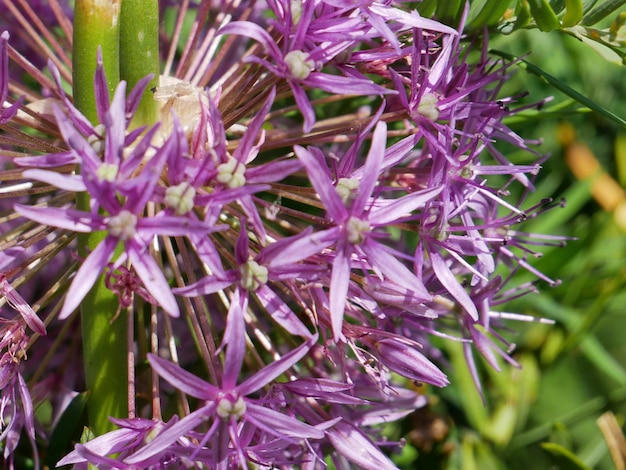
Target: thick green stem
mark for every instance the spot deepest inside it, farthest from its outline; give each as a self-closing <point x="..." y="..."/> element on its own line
<point x="139" y="53"/>
<point x="104" y="355"/>
<point x="96" y="25"/>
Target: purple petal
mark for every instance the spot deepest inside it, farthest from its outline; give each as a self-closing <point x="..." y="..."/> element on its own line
<point x="234" y="339"/>
<point x="101" y="88"/>
<point x="182" y="380"/>
<point x="324" y="389"/>
<point x="16" y="301"/>
<point x="86" y="276"/>
<point x="411" y="20"/>
<point x="356" y="447"/>
<point x="339" y="282"/>
<point x="76" y="142"/>
<point x="49" y="160"/>
<point x="279" y="424"/>
<point x="70" y="219"/>
<point x="152" y="277"/>
<point x="450" y="282"/>
<point x="371" y="169"/>
<point x="276" y="368"/>
<point x="394" y="270"/>
<point x="27" y="404"/>
<point x="405" y="360"/>
<point x="320" y="179"/>
<point x="102" y="445"/>
<point x="254" y="31"/>
<point x="208" y="285"/>
<point x="72" y="183"/>
<point x="116" y="126"/>
<point x="164" y="440"/>
<point x="387" y="213"/>
<point x="304" y="105"/>
<point x="281" y="312"/>
<point x="341" y="85"/>
<point x="272" y="171"/>
<point x="297" y="248"/>
<point x="244" y="147"/>
<point x="173" y="225"/>
<point x="96" y="460"/>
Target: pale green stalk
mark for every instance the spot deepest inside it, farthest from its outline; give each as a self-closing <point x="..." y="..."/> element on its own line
<point x="139" y="53"/>
<point x="96" y="25"/>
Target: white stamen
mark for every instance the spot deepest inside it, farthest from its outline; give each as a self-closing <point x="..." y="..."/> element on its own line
<point x="428" y="106"/>
<point x="347" y="189"/>
<point x="180" y="197"/>
<point x="357" y="229"/>
<point x="123" y="225"/>
<point x="299" y="63"/>
<point x="226" y="408"/>
<point x="253" y="275"/>
<point x="232" y="173"/>
<point x="107" y="172"/>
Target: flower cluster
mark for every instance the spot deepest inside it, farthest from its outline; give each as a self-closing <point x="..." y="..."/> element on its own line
<point x="326" y="189"/>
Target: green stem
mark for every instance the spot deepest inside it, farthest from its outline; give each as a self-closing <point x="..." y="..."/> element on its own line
<point x="139" y="53"/>
<point x="96" y="25"/>
<point x="104" y="355"/>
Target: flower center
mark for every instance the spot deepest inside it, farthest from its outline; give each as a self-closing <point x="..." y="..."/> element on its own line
<point x="123" y="225"/>
<point x="357" y="229"/>
<point x="232" y="173"/>
<point x="226" y="407"/>
<point x="300" y="64"/>
<point x="180" y="197"/>
<point x="107" y="172"/>
<point x="347" y="189"/>
<point x="253" y="275"/>
<point x="428" y="106"/>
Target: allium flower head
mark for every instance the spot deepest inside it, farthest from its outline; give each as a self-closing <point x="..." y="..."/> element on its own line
<point x="270" y="251"/>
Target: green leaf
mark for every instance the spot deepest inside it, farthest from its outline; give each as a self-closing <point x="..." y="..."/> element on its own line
<point x="544" y="15"/>
<point x="562" y="87"/>
<point x="573" y="12"/>
<point x="489" y="14"/>
<point x="602" y="11"/>
<point x="563" y="458"/>
<point x="450" y="11"/>
<point x="522" y="12"/>
<point x="67" y="430"/>
<point x="600" y="41"/>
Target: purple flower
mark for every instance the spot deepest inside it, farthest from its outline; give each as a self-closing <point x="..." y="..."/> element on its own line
<point x="16" y="407"/>
<point x="227" y="406"/>
<point x="350" y="206"/>
<point x="119" y="187"/>
<point x="301" y="68"/>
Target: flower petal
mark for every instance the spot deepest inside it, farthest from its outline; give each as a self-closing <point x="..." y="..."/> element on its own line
<point x="184" y="381"/>
<point x="279" y="424"/>
<point x="152" y="277"/>
<point x="87" y="275"/>
<point x="276" y="368"/>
